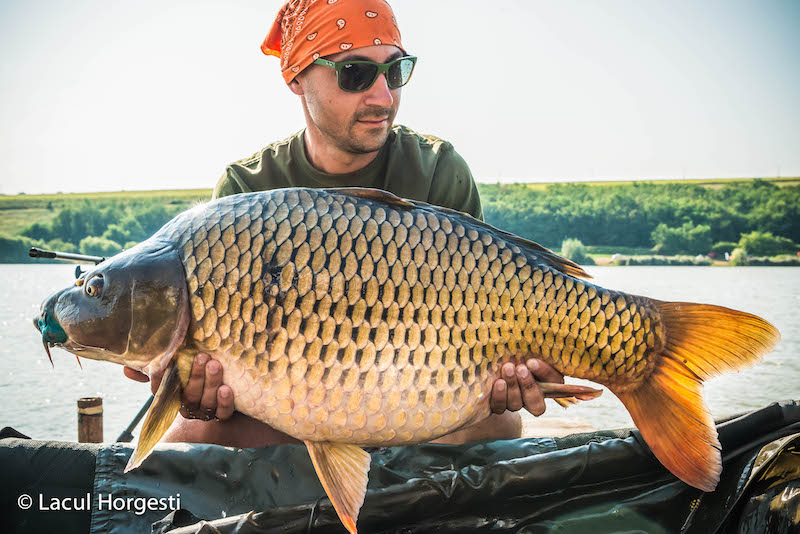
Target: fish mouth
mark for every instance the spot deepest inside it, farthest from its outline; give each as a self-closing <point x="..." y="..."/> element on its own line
<point x="53" y="335"/>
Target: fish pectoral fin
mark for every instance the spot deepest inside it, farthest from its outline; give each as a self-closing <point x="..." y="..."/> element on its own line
<point x="159" y="418"/>
<point x="342" y="469"/>
<point x="567" y="395"/>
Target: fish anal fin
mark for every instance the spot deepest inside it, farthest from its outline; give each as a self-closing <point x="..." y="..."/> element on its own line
<point x="162" y="413"/>
<point x="566" y="402"/>
<point x="567" y="395"/>
<point x="342" y="469"/>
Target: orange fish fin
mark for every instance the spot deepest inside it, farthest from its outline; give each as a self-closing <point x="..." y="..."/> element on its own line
<point x="566" y="402"/>
<point x="670" y="413"/>
<point x="711" y="340"/>
<point x="342" y="469"/>
<point x="159" y="418"/>
<point x="701" y="341"/>
<point x="378" y="195"/>
<point x="566" y="395"/>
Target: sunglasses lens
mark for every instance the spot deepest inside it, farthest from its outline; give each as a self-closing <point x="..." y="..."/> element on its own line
<point x="357" y="76"/>
<point x="399" y="73"/>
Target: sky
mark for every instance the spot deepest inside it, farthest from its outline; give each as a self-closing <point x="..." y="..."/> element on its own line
<point x="109" y="96"/>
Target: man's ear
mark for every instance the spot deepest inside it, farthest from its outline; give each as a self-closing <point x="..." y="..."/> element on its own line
<point x="296" y="88"/>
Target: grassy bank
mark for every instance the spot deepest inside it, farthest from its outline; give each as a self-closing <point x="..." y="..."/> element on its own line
<point x="19" y="211"/>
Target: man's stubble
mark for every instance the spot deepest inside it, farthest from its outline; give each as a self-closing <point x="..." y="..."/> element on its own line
<point x="347" y="134"/>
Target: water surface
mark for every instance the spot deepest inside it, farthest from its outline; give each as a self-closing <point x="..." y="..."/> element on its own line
<point x="41" y="401"/>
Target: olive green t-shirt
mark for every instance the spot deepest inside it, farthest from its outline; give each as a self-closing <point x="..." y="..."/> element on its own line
<point x="410" y="165"/>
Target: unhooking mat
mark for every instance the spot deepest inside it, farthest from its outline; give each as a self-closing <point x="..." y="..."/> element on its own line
<point x="600" y="482"/>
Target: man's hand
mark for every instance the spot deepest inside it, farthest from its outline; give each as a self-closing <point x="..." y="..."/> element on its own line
<point x="517" y="387"/>
<point x="204" y="397"/>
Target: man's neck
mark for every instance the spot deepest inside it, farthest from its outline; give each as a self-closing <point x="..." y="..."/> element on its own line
<point x="330" y="159"/>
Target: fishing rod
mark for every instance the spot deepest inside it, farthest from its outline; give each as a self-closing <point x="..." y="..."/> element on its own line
<point x="34" y="252"/>
<point x="66" y="256"/>
<point x="127" y="434"/>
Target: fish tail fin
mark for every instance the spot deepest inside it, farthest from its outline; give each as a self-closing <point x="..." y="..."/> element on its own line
<point x="159" y="418"/>
<point x="702" y="341"/>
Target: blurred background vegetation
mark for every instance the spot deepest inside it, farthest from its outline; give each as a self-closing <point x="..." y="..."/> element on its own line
<point x="627" y="223"/>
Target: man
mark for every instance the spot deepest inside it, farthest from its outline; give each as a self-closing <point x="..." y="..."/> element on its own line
<point x="345" y="61"/>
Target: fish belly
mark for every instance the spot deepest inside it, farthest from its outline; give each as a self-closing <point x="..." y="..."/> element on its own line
<point x="379" y="408"/>
<point x="344" y="318"/>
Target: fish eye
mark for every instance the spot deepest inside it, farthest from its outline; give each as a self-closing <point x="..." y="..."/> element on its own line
<point x="94" y="286"/>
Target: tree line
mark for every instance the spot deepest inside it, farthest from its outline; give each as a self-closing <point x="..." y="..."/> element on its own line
<point x="663" y="218"/>
<point x="669" y="218"/>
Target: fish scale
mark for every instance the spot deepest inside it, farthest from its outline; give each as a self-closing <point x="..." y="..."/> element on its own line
<point x="341" y="318"/>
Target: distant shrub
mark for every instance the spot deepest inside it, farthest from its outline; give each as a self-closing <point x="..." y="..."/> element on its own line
<point x="99" y="246"/>
<point x="116" y="233"/>
<point x="37" y="231"/>
<point x="765" y="244"/>
<point x="686" y="239"/>
<point x="129" y="244"/>
<point x="738" y="257"/>
<point x="722" y="247"/>
<point x="150" y="220"/>
<point x="15" y="249"/>
<point x="574" y="250"/>
<point x="58" y="245"/>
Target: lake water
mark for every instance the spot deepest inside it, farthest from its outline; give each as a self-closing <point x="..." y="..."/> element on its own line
<point x="40" y="401"/>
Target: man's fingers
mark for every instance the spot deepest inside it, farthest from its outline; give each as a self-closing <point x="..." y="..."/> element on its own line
<point x="498" y="400"/>
<point x="543" y="372"/>
<point x="193" y="391"/>
<point x="514" y="396"/>
<point x="133" y="374"/>
<point x="224" y="402"/>
<point x="532" y="395"/>
<point x="213" y="380"/>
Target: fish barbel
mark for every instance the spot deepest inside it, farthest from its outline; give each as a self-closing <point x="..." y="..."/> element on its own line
<point x="348" y="317"/>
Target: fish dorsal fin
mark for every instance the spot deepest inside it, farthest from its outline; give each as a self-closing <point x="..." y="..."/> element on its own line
<point x="342" y="469"/>
<point x="547" y="256"/>
<point x="161" y="415"/>
<point x="378" y="195"/>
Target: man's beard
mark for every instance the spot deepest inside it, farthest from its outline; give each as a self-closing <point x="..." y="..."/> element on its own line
<point x="366" y="142"/>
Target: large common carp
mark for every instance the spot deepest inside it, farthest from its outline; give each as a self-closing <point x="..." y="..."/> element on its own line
<point x="348" y="317"/>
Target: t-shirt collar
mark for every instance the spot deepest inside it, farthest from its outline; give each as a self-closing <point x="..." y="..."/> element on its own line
<point x="364" y="177"/>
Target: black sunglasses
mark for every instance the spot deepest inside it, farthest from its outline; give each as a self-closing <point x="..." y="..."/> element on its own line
<point x="359" y="75"/>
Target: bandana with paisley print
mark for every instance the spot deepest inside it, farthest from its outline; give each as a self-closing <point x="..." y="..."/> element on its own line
<point x="305" y="30"/>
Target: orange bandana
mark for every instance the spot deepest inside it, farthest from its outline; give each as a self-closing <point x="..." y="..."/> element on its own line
<point x="305" y="30"/>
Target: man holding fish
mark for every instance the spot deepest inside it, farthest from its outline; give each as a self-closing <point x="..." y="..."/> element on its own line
<point x="352" y="317"/>
<point x="345" y="61"/>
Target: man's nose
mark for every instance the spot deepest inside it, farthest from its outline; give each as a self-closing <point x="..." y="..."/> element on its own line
<point x="380" y="94"/>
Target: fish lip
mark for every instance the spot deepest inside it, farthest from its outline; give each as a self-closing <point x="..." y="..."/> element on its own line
<point x="89" y="352"/>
